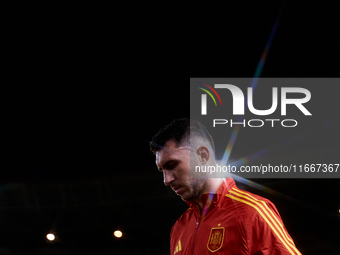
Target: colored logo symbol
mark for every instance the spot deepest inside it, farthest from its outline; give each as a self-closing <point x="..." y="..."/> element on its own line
<point x="204" y="98"/>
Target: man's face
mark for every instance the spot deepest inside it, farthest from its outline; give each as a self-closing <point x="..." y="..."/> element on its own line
<point x="174" y="162"/>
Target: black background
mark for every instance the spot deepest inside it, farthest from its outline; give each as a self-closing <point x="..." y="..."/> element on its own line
<point x="84" y="89"/>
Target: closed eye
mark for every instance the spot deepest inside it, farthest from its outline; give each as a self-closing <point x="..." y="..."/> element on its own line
<point x="171" y="164"/>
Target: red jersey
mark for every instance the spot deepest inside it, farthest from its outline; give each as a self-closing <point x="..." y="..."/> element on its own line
<point x="233" y="222"/>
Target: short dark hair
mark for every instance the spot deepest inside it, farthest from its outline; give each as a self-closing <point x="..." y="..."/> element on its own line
<point x="179" y="130"/>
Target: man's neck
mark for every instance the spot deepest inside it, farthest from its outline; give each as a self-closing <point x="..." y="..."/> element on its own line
<point x="212" y="186"/>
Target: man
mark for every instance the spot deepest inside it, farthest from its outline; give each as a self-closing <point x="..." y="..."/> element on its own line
<point x="222" y="219"/>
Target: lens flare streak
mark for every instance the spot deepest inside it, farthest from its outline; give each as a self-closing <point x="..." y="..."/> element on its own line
<point x="253" y="84"/>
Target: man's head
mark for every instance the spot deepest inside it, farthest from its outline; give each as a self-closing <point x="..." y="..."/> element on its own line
<point x="181" y="145"/>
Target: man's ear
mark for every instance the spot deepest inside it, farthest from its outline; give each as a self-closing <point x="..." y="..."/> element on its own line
<point x="203" y="154"/>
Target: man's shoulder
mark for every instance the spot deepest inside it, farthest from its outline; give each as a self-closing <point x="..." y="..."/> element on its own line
<point x="247" y="204"/>
<point x="235" y="192"/>
<point x="186" y="215"/>
<point x="184" y="219"/>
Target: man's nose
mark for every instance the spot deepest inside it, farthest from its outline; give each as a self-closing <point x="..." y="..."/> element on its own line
<point x="168" y="177"/>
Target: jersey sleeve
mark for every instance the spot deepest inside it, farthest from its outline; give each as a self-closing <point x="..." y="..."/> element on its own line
<point x="172" y="245"/>
<point x="269" y="235"/>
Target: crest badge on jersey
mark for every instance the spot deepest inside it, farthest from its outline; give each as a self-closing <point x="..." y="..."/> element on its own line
<point x="215" y="240"/>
